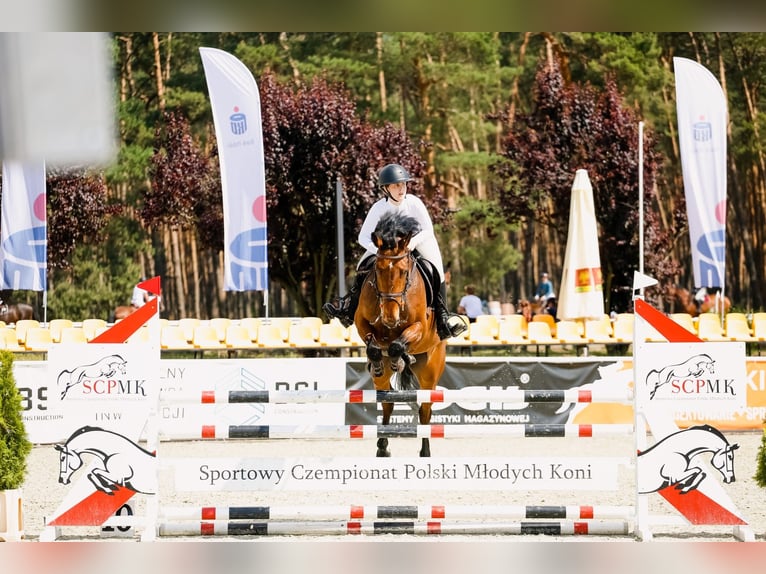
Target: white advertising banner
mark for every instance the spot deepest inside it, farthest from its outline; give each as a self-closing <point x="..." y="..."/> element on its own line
<point x="706" y="379"/>
<point x="702" y="118"/>
<point x="236" y="106"/>
<point x="24" y="252"/>
<point x="402" y="474"/>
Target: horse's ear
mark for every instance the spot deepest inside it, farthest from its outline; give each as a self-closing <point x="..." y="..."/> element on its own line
<point x="377" y="240"/>
<point x="58" y="447"/>
<point x="735" y="446"/>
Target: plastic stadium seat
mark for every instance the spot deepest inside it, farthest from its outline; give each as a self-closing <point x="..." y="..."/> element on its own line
<point x="333" y="335"/>
<point x="238" y="337"/>
<point x="172" y="337"/>
<point x="93" y="327"/>
<point x="539" y="333"/>
<point x="21" y="329"/>
<point x="302" y="335"/>
<point x="282" y="323"/>
<point x="709" y="327"/>
<point x="220" y="324"/>
<point x="623" y="328"/>
<point x="549" y="320"/>
<point x="251" y="324"/>
<point x="737" y="328"/>
<point x="38" y="339"/>
<point x="512" y="330"/>
<point x="72" y="335"/>
<point x="568" y="333"/>
<point x="270" y="336"/>
<point x="597" y="331"/>
<point x="187" y="325"/>
<point x="759" y="326"/>
<point x="492" y="321"/>
<point x="55" y="326"/>
<point x="206" y="337"/>
<point x="484" y="332"/>
<point x="9" y="340"/>
<point x="314" y="324"/>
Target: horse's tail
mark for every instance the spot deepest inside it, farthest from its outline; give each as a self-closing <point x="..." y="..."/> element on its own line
<point x="409" y="380"/>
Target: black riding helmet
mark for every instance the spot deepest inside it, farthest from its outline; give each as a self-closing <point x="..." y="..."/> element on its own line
<point x="392" y="173"/>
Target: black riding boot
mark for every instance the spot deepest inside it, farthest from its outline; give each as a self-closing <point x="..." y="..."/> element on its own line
<point x="344" y="308"/>
<point x="443" y="327"/>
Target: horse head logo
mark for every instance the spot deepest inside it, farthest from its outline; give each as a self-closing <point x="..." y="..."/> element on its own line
<point x="672" y="460"/>
<point x="119" y="461"/>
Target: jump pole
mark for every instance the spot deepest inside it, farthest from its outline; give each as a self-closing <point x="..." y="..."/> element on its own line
<point x="337" y="528"/>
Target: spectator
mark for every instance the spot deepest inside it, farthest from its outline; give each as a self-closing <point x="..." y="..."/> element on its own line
<point x="470" y="305"/>
<point x="544" y="289"/>
<point x="525" y="309"/>
<point x="140" y="296"/>
<point x="551" y="307"/>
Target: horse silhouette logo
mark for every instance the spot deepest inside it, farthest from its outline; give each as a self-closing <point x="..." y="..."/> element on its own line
<point x="120" y="461"/>
<point x="105" y="367"/>
<point x="695" y="366"/>
<point x="673" y="461"/>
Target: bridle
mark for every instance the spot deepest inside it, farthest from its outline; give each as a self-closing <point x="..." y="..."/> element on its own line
<point x="400" y="297"/>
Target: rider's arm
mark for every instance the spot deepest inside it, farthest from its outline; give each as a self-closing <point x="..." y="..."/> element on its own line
<point x="370" y="222"/>
<point x="419" y="212"/>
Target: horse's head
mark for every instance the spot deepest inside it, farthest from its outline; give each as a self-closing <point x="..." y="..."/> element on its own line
<point x="394" y="266"/>
<point x="723" y="461"/>
<point x="69" y="462"/>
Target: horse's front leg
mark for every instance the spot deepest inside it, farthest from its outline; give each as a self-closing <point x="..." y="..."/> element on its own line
<point x="398" y="349"/>
<point x="374" y="357"/>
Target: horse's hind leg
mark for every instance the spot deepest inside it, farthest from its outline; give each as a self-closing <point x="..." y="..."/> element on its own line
<point x="383" y="451"/>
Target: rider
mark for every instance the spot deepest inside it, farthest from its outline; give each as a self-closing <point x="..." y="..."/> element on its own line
<point x="392" y="181"/>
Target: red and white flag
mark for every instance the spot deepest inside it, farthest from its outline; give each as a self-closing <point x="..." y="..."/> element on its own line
<point x="23" y="228"/>
<point x="702" y="118"/>
<point x="236" y="106"/>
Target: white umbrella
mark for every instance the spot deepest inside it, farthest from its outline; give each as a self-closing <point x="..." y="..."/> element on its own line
<point x="580" y="295"/>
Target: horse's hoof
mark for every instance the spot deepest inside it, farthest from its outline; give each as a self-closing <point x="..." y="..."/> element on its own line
<point x="382" y="453"/>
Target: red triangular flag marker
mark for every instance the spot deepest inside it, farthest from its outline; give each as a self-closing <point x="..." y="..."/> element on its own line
<point x="119" y="332"/>
<point x="152" y="285"/>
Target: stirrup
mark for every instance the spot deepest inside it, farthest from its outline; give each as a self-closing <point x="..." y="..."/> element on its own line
<point x="456" y="327"/>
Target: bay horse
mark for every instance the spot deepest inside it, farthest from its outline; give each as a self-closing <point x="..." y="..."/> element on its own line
<point x="395" y="322"/>
<point x="122" y="311"/>
<point x="683" y="299"/>
<point x="16" y="312"/>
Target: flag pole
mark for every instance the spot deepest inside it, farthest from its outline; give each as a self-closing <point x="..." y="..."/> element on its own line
<point x="641" y="201"/>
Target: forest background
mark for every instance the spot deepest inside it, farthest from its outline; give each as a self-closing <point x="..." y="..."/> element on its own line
<point x="493" y="126"/>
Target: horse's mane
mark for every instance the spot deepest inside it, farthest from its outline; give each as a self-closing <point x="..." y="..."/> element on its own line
<point x="394" y="226"/>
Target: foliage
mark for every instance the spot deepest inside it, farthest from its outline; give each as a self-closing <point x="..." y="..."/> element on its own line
<point x="760" y="470"/>
<point x="180" y="174"/>
<point x="484" y="254"/>
<point x="78" y="211"/>
<point x="14" y="444"/>
<point x="575" y="127"/>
